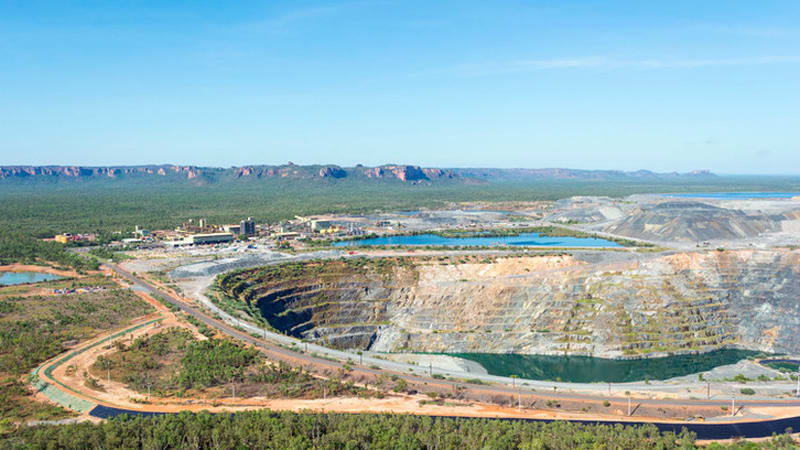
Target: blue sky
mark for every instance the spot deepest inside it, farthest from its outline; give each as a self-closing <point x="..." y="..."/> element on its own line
<point x="675" y="85"/>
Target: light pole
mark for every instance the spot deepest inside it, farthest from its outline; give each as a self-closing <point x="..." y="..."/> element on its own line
<point x="108" y="373"/>
<point x="147" y="380"/>
<point x="798" y="382"/>
<point x="628" y="394"/>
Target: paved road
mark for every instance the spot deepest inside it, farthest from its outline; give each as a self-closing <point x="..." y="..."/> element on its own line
<point x="500" y="390"/>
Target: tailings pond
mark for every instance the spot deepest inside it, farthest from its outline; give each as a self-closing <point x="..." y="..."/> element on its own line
<point x="522" y="240"/>
<point x="11" y="278"/>
<point x="586" y="369"/>
<point x="737" y="195"/>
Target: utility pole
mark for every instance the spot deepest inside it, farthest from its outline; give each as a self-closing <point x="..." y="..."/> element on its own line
<point x="629" y="405"/>
<point x="430" y="368"/>
<point x="147" y="380"/>
<point x="798" y="382"/>
<point x="733" y="406"/>
<point x="708" y="390"/>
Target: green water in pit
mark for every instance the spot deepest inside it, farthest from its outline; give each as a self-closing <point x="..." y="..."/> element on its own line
<point x="587" y="369"/>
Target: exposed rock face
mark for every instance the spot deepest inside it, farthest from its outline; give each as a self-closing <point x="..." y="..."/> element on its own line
<point x="647" y="306"/>
<point x="189" y="172"/>
<point x="332" y="172"/>
<point x="689" y="221"/>
<point x="571" y="174"/>
<point x="407" y="173"/>
<point x="290" y="170"/>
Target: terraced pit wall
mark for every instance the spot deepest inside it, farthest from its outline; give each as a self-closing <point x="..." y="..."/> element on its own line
<point x="643" y="306"/>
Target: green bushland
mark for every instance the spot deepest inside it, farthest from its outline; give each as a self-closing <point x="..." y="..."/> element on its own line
<point x="204" y="329"/>
<point x="173" y="362"/>
<point x="267" y="429"/>
<point x="44" y="209"/>
<point x="17" y="247"/>
<point x="33" y="329"/>
<point x="107" y="253"/>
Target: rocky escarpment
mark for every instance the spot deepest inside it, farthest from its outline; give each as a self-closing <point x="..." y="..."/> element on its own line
<point x="408" y="173"/>
<point x="11" y="172"/>
<point x="411" y="174"/>
<point x="647" y="306"/>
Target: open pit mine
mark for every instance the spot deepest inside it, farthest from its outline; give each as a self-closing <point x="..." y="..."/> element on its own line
<point x="602" y="304"/>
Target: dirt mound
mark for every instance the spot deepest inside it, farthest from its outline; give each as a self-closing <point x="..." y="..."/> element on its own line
<point x="689" y="221"/>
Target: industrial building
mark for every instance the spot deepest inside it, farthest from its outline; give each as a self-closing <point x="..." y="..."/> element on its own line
<point x="317" y="225"/>
<point x="208" y="238"/>
<point x="233" y="229"/>
<point x="247" y="227"/>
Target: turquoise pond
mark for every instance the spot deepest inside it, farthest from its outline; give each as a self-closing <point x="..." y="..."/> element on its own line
<point x="586" y="369"/>
<point x="522" y="240"/>
<point x="737" y="195"/>
<point x="11" y="278"/>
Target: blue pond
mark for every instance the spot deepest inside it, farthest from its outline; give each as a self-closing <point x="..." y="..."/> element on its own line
<point x="523" y="240"/>
<point x="9" y="278"/>
<point x="737" y="195"/>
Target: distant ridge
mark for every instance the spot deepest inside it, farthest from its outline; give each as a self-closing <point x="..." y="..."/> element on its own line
<point x="386" y="172"/>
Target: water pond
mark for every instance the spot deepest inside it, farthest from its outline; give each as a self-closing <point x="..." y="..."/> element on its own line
<point x="736" y="195"/>
<point x="11" y="278"/>
<point x="523" y="240"/>
<point x="586" y="369"/>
